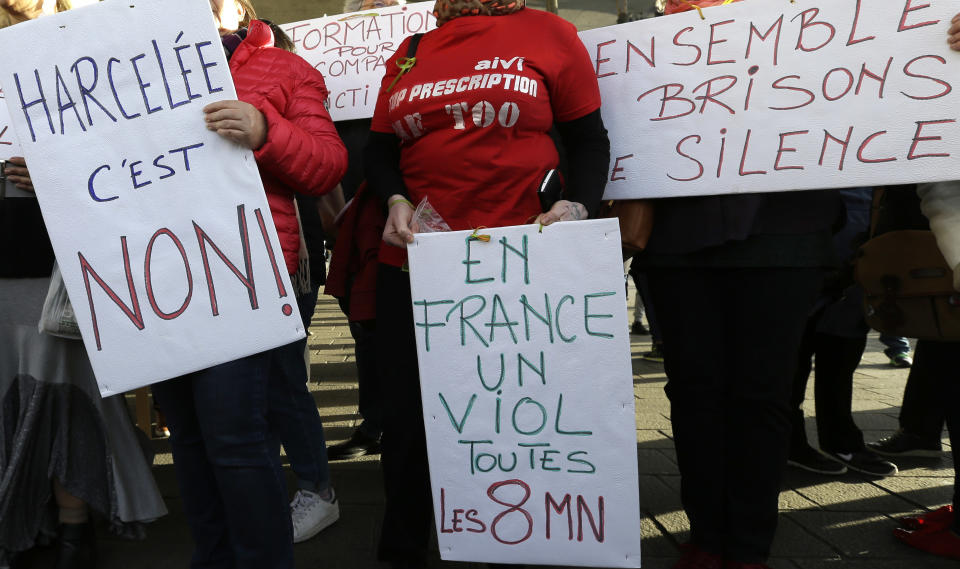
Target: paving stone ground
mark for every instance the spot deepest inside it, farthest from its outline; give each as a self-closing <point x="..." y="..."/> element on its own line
<point x="826" y="522"/>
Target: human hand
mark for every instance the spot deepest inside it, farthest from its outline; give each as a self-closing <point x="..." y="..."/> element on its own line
<point x="237" y="121"/>
<point x="953" y="34"/>
<point x="16" y="171"/>
<point x="399" y="229"/>
<point x="562" y="210"/>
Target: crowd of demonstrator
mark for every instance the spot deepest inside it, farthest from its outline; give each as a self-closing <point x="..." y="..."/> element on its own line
<point x="738" y="309"/>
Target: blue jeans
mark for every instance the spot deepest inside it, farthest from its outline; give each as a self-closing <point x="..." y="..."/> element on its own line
<point x="228" y="465"/>
<point x="295" y="418"/>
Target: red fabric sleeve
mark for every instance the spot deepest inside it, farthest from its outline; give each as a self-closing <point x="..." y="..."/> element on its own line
<point x="303" y="148"/>
<point x="381" y="120"/>
<point x="574" y="92"/>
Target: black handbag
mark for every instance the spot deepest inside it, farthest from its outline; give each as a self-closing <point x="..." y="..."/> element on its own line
<point x="25" y="249"/>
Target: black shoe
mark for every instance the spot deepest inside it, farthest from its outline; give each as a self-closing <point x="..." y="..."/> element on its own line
<point x="359" y="444"/>
<point x="865" y="462"/>
<point x="638" y="329"/>
<point x="808" y="458"/>
<point x="902" y="443"/>
<point x="655" y="354"/>
<point x="76" y="547"/>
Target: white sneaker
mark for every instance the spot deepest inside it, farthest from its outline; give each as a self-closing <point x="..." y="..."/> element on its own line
<point x="312" y="514"/>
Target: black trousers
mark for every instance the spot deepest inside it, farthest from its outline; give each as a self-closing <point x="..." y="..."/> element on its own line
<point x="922" y="412"/>
<point x="938" y="364"/>
<point x="837" y="359"/>
<point x="369" y="388"/>
<point x="731" y="338"/>
<point x="406" y="476"/>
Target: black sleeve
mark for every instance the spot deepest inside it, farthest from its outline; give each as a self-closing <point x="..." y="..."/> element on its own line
<point x="381" y="166"/>
<point x="588" y="158"/>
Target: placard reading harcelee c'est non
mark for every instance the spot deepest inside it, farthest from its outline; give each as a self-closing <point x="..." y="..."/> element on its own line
<point x="161" y="227"/>
<point x="527" y="386"/>
<point x="776" y="96"/>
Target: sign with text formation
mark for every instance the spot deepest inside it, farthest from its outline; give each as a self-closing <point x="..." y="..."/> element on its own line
<point x="767" y="96"/>
<point x="161" y="227"/>
<point x="351" y="51"/>
<point x="527" y="390"/>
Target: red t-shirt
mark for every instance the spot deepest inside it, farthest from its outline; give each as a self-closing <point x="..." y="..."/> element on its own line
<point x="475" y="112"/>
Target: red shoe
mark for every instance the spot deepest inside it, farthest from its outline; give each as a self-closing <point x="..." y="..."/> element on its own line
<point x="942" y="542"/>
<point x="742" y="565"/>
<point x="695" y="558"/>
<point x="941" y="518"/>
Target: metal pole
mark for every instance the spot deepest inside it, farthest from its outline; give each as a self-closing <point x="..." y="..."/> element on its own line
<point x="552" y="6"/>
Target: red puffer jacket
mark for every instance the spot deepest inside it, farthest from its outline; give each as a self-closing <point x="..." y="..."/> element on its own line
<point x="303" y="152"/>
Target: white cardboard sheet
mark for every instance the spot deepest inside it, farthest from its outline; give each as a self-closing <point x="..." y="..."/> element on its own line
<point x="351" y="51"/>
<point x="771" y="96"/>
<point x="161" y="227"/>
<point x="529" y="412"/>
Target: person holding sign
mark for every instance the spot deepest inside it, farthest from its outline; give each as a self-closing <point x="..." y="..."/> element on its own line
<point x="223" y="420"/>
<point x="938" y="532"/>
<point x="69" y="455"/>
<point x="466" y="124"/>
<point x="748" y="268"/>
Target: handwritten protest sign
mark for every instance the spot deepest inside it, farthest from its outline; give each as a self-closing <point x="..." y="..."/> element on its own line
<point x="351" y="51"/>
<point x="766" y="96"/>
<point x="528" y="400"/>
<point x="161" y="227"/>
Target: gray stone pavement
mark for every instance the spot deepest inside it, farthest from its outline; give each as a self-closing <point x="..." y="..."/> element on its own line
<point x="825" y="523"/>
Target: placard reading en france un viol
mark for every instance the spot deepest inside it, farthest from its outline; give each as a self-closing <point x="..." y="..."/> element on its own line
<point x="161" y="227"/>
<point x="527" y="389"/>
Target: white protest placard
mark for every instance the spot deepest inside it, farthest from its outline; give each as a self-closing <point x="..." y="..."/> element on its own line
<point x="769" y="96"/>
<point x="351" y="51"/>
<point x="527" y="389"/>
<point x="161" y="227"/>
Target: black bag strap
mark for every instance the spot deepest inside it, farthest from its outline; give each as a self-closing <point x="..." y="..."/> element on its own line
<point x="406" y="63"/>
<point x="414" y="43"/>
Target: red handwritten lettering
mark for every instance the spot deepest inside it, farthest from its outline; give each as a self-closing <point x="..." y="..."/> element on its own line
<point x="909" y="7"/>
<point x="808" y="21"/>
<point x="917" y="139"/>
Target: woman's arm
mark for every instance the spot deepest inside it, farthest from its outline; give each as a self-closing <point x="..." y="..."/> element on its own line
<point x="588" y="159"/>
<point x="381" y="167"/>
<point x="302" y="147"/>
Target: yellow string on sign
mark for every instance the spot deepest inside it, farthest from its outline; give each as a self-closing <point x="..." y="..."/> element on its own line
<point x="700" y="11"/>
<point x="355" y="16"/>
<point x="405" y="64"/>
<point x="476" y="236"/>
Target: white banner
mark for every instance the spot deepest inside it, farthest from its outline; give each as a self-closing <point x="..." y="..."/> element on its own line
<point x="161" y="227"/>
<point x="526" y="379"/>
<point x="769" y="96"/>
<point x="351" y="51"/>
